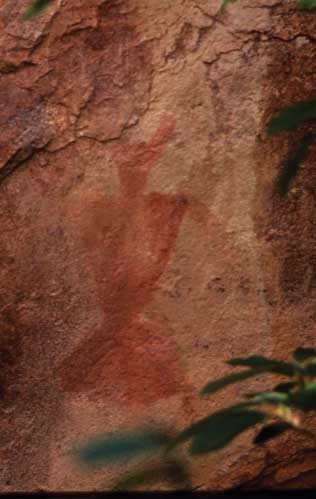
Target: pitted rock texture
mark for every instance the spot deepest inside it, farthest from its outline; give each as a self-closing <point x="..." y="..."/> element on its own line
<point x="143" y="242"/>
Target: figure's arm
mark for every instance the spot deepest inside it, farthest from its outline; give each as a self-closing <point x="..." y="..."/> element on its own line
<point x="163" y="133"/>
<point x="136" y="160"/>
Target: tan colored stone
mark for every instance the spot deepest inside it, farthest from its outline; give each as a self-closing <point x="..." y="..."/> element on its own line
<point x="142" y="241"/>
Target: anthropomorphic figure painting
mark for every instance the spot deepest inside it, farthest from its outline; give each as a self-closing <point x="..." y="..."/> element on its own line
<point x="129" y="240"/>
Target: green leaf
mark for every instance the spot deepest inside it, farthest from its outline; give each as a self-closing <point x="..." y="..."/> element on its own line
<point x="175" y="472"/>
<point x="113" y="448"/>
<point x="214" y="386"/>
<point x="258" y="364"/>
<point x="304" y="399"/>
<point x="310" y="369"/>
<point x="36" y="7"/>
<point x="271" y="431"/>
<point x="292" y="116"/>
<point x="284" y="387"/>
<point x="302" y="353"/>
<point x="263" y="364"/>
<point x="293" y="163"/>
<point x="274" y="398"/>
<point x="222" y="428"/>
<point x="137" y="479"/>
<point x="218" y="429"/>
<point x="307" y="4"/>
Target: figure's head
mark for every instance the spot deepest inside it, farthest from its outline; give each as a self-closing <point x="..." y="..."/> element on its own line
<point x="136" y="160"/>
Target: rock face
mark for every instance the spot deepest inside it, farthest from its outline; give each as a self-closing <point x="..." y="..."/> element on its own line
<point x="143" y="242"/>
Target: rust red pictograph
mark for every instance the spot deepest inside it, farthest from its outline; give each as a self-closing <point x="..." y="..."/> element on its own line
<point x="129" y="241"/>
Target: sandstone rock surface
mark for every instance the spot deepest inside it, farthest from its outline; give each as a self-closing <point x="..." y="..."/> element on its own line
<point x="142" y="240"/>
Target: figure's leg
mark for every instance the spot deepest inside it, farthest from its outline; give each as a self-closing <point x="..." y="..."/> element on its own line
<point x="138" y="366"/>
<point x="78" y="372"/>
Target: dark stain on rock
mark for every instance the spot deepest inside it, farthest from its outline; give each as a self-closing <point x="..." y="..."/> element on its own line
<point x="122" y="81"/>
<point x="116" y="28"/>
<point x="287" y="224"/>
<point x="102" y="37"/>
<point x="183" y="41"/>
<point x="35" y="133"/>
<point x="10" y="355"/>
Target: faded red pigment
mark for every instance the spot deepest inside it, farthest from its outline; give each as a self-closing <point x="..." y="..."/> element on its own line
<point x="129" y="241"/>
